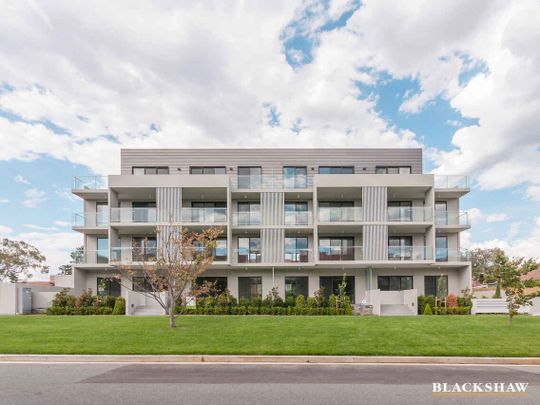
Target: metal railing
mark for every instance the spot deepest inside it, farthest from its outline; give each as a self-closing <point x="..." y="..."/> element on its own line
<point x="244" y="255"/>
<point x="254" y="182"/>
<point x="133" y="215"/>
<point x="456" y="181"/>
<point x="89" y="182"/>
<point x="451" y="218"/>
<point x="92" y="257"/>
<point x="340" y="253"/>
<point x="133" y="254"/>
<point x="246" y="218"/>
<point x="340" y="214"/>
<point x="91" y="219"/>
<point x="296" y="218"/>
<point x="204" y="215"/>
<point x="296" y="255"/>
<point x="452" y="255"/>
<point x="410" y="214"/>
<point x="410" y="253"/>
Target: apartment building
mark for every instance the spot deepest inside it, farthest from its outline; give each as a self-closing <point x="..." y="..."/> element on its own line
<point x="296" y="219"/>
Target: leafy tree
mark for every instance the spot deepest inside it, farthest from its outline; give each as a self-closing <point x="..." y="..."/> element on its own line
<point x="427" y="310"/>
<point x="483" y="264"/>
<point x="18" y="259"/>
<point x="76" y="256"/>
<point x="181" y="257"/>
<point x="510" y="271"/>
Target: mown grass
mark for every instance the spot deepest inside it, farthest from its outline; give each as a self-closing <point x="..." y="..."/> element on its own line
<point x="302" y="335"/>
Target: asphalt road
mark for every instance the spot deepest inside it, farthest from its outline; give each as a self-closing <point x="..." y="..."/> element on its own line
<point x="252" y="383"/>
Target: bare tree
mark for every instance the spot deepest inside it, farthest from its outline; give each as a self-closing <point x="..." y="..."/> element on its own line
<point x="167" y="276"/>
<point x="18" y="259"/>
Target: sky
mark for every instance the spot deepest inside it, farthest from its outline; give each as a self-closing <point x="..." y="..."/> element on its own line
<point x="458" y="78"/>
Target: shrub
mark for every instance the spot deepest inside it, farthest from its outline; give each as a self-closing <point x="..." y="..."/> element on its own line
<point x="104" y="311"/>
<point x="108" y="301"/>
<point x="256" y="301"/>
<point x="451" y="301"/>
<point x="86" y="299"/>
<point x="63" y="299"/>
<point x="332" y="302"/>
<point x="289" y="300"/>
<point x="119" y="306"/>
<point x="244" y="302"/>
<point x="427" y="310"/>
<point x="300" y="302"/>
<point x="347" y="308"/>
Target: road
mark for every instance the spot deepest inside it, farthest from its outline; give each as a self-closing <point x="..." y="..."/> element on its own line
<point x="207" y="383"/>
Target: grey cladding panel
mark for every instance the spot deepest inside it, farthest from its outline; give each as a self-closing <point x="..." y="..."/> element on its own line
<point x="374" y="204"/>
<point x="272" y="206"/>
<point x="272" y="245"/>
<point x="375" y="242"/>
<point x="168" y="204"/>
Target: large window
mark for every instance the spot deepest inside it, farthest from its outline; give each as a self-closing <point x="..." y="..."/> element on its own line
<point x="249" y="213"/>
<point x="141" y="284"/>
<point x="294" y="177"/>
<point x="441" y="213"/>
<point x="336" y="169"/>
<point x="294" y="286"/>
<point x="144" y="249"/>
<point x="208" y="170"/>
<point x="102" y="254"/>
<point x="400" y="211"/>
<point x="393" y="170"/>
<point x="431" y="285"/>
<point x="394" y="283"/>
<point x="143" y="211"/>
<point x="209" y="212"/>
<point x="150" y="170"/>
<point x="441" y="248"/>
<point x="102" y="213"/>
<point x="219" y="252"/>
<point x="296" y="213"/>
<point x="336" y="248"/>
<point x="108" y="286"/>
<point x="330" y="285"/>
<point x="400" y="248"/>
<point x="296" y="249"/>
<point x="249" y="250"/>
<point x="336" y="211"/>
<point x="249" y="177"/>
<point x="219" y="283"/>
<point x="249" y="287"/>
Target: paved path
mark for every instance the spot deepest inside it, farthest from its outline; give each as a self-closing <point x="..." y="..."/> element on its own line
<point x="252" y="383"/>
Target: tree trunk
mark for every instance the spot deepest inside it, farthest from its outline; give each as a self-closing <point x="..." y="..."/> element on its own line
<point x="172" y="319"/>
<point x="510" y="316"/>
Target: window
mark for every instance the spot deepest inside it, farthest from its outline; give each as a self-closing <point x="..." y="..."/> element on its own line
<point x="249" y="213"/>
<point x="294" y="286"/>
<point x="400" y="248"/>
<point x="220" y="251"/>
<point x="102" y="213"/>
<point x="336" y="169"/>
<point x="296" y="213"/>
<point x="296" y="250"/>
<point x="336" y="249"/>
<point x="150" y="170"/>
<point x="394" y="283"/>
<point x="102" y="254"/>
<point x="441" y="248"/>
<point x="249" y="250"/>
<point x="141" y="284"/>
<point x="108" y="286"/>
<point x="330" y="285"/>
<point x="393" y="170"/>
<point x="143" y="211"/>
<point x="441" y="213"/>
<point x="431" y="284"/>
<point x="249" y="287"/>
<point x="219" y="283"/>
<point x="400" y="211"/>
<point x="249" y="177"/>
<point x="294" y="177"/>
<point x="209" y="212"/>
<point x="336" y="211"/>
<point x="144" y="249"/>
<point x="208" y="170"/>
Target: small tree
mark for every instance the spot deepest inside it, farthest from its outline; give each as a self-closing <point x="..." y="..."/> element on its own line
<point x="181" y="257"/>
<point x="427" y="310"/>
<point x="483" y="264"/>
<point x="76" y="257"/>
<point x="18" y="259"/>
<point x="498" y="290"/>
<point x="510" y="271"/>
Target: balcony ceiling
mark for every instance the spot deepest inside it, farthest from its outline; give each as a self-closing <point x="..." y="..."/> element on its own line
<point x="406" y="193"/>
<point x="204" y="193"/>
<point x="339" y="193"/>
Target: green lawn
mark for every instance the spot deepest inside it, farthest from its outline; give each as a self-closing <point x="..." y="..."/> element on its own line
<point x="326" y="335"/>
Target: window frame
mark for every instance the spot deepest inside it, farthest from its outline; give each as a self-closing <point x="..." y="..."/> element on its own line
<point x="394" y="277"/>
<point x="207" y="168"/>
<point x="341" y="169"/>
<point x="147" y="169"/>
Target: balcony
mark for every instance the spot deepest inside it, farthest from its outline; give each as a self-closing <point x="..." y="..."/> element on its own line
<point x="92" y="257"/>
<point x="410" y="214"/>
<point x="452" y="255"/>
<point x="340" y="214"/>
<point x="91" y="220"/>
<point x="246" y="218"/>
<point x="452" y="218"/>
<point x="298" y="218"/>
<point x="413" y="253"/>
<point x="296" y="255"/>
<point x="451" y="186"/>
<point x="133" y="215"/>
<point x="247" y="256"/>
<point x="90" y="183"/>
<point x="258" y="182"/>
<point x="204" y="215"/>
<point x="131" y="254"/>
<point x="340" y="253"/>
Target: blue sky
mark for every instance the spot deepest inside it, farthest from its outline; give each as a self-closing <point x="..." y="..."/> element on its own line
<point x="307" y="73"/>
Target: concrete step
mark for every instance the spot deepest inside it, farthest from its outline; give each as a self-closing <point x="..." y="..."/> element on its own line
<point x="148" y="310"/>
<point x="396" y="310"/>
<point x="360" y="309"/>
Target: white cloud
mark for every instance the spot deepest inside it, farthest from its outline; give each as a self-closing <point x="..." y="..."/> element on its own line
<point x="62" y="224"/>
<point x="5" y="230"/>
<point x="4" y="201"/>
<point x="34" y="197"/>
<point x="40" y="228"/>
<point x="475" y="214"/>
<point x="20" y="179"/>
<point x="533" y="192"/>
<point x="497" y="217"/>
